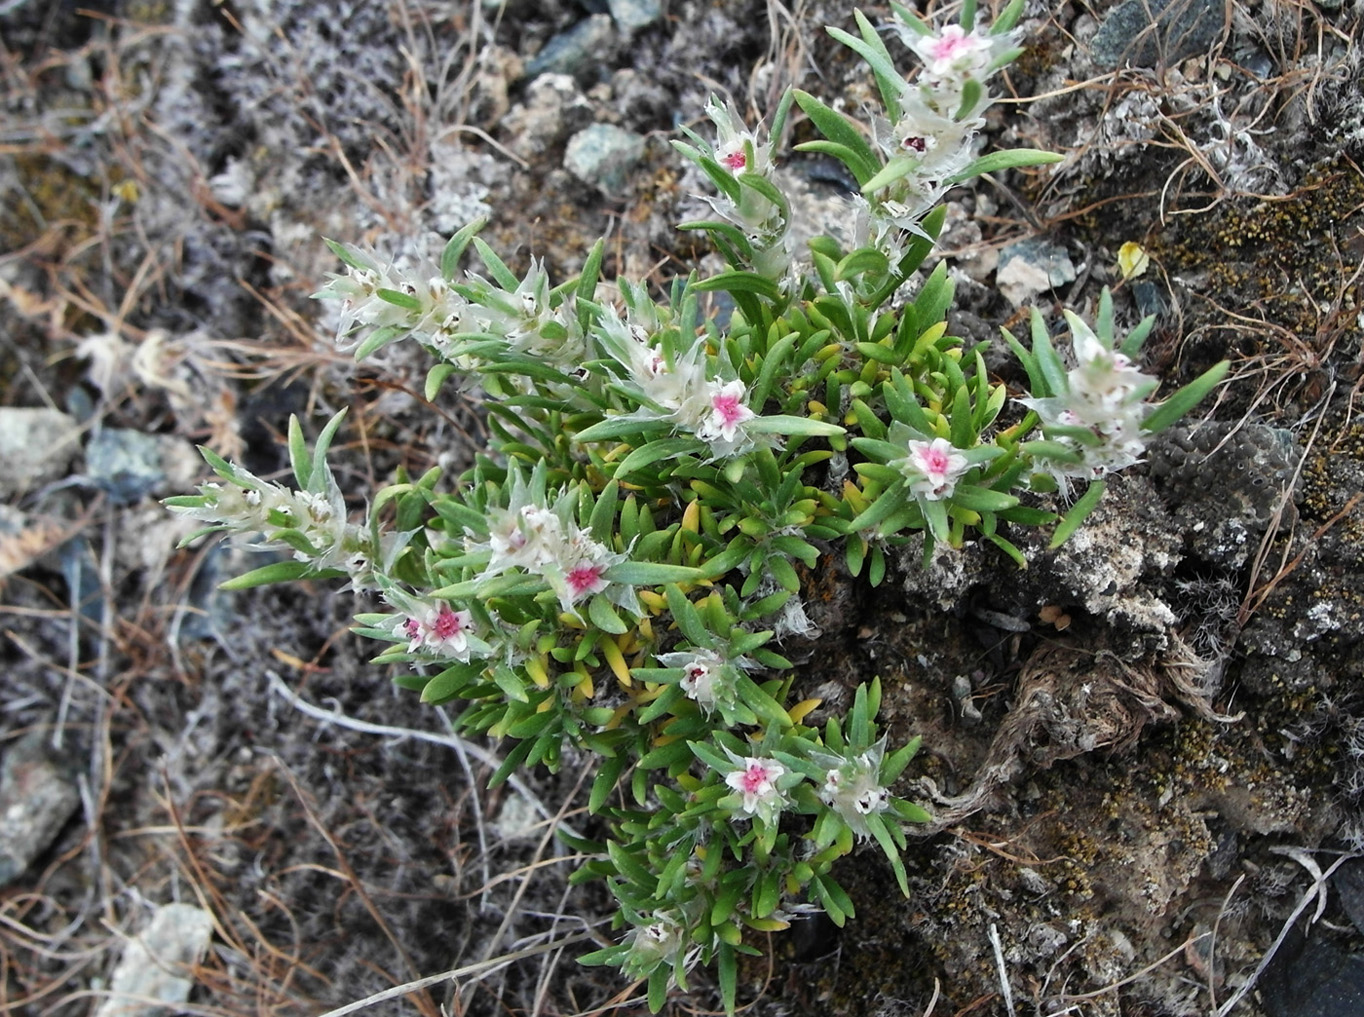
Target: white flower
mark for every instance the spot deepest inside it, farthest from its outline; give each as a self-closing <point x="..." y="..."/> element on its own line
<point x="932" y="468"/>
<point x="940" y="144"/>
<point x="703" y="676"/>
<point x="1105" y="381"/>
<point x="440" y="315"/>
<point x="755" y="780"/>
<point x="852" y="787"/>
<point x="1105" y="394"/>
<point x="523" y="537"/>
<point x="653" y="944"/>
<point x="952" y="53"/>
<point x="246" y="504"/>
<point x="667" y="387"/>
<point x="361" y="304"/>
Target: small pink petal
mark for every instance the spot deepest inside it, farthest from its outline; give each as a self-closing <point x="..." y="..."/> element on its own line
<point x="583" y="579"/>
<point x="448" y="623"/>
<point x="755" y="779"/>
<point x="728" y="408"/>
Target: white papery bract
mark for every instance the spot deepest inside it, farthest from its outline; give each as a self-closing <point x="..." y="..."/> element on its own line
<point x="852" y="787"/>
<point x="653" y="943"/>
<point x="938" y="145"/>
<point x="447" y="315"/>
<point x="658" y="383"/>
<point x="245" y="504"/>
<point x="712" y="409"/>
<point x="741" y="150"/>
<point x="1106" y="396"/>
<point x="707" y="679"/>
<point x="358" y="290"/>
<point x="525" y="537"/>
<point x="933" y="136"/>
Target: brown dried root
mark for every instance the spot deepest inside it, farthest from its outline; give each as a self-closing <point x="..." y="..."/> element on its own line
<point x="1071" y="701"/>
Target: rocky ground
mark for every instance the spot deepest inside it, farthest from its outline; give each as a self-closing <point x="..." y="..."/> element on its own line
<point x="1145" y="754"/>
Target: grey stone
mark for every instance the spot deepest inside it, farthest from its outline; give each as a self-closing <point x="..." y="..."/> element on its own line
<point x="632" y="15"/>
<point x="1030" y="267"/>
<point x="127" y="464"/>
<point x="159" y="964"/>
<point x="36" y="800"/>
<point x="576" y="50"/>
<point x="1312" y="980"/>
<point x="553" y="109"/>
<point x="37" y="445"/>
<point x="1150" y="33"/>
<point x="1149" y="297"/>
<point x="603" y="155"/>
<point x="12" y="521"/>
<point x="1349" y="884"/>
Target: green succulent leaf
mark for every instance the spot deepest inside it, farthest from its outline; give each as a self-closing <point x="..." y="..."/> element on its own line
<point x="279" y="572"/>
<point x="1185" y="399"/>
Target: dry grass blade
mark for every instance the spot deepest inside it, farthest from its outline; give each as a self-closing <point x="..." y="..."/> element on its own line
<point x="1069" y="999"/>
<point x="20" y="550"/>
<point x="1315" y="892"/>
<point x="545" y="839"/>
<point x="478" y="969"/>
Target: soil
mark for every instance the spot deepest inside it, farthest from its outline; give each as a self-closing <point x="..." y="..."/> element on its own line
<point x="1141" y="753"/>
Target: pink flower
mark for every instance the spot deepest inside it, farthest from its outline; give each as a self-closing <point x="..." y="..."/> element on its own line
<point x="442" y="631"/>
<point x="727" y="413"/>
<point x="956" y="50"/>
<point x="933" y="468"/>
<point x="584" y="579"/>
<point x="951" y="44"/>
<point x="756" y="780"/>
<point x="735" y="160"/>
<point x="449" y="624"/>
<point x="579" y="571"/>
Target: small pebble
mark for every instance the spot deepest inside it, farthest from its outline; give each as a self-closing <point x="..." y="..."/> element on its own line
<point x="159" y="964"/>
<point x="36" y="800"/>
